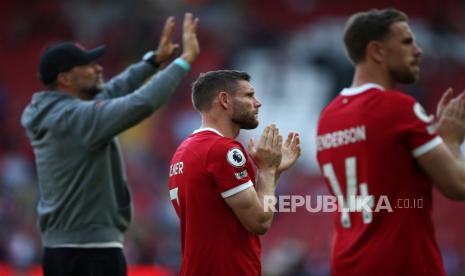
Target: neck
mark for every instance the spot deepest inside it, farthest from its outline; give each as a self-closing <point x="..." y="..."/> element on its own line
<point x="222" y="124"/>
<point x="372" y="73"/>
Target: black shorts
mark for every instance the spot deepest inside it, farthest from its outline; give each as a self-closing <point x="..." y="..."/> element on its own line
<point x="84" y="262"/>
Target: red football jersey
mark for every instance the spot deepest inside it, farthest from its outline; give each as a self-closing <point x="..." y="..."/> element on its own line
<point x="367" y="143"/>
<point x="206" y="168"/>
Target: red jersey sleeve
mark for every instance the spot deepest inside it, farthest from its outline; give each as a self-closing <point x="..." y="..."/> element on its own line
<point x="227" y="164"/>
<point x="414" y="124"/>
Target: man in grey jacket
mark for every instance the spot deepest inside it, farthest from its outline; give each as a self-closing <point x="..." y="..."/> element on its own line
<point x="84" y="203"/>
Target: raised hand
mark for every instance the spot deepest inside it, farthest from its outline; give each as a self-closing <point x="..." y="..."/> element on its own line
<point x="445" y="99"/>
<point x="190" y="44"/>
<point x="166" y="48"/>
<point x="451" y="123"/>
<point x="290" y="151"/>
<point x="267" y="155"/>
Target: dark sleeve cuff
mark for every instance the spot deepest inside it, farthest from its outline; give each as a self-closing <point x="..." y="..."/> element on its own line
<point x="150" y="57"/>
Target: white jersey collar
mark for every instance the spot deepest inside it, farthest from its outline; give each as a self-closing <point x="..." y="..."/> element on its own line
<point x="209" y="129"/>
<point x="360" y="89"/>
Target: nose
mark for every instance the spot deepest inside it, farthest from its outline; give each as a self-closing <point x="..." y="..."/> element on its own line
<point x="98" y="68"/>
<point x="418" y="50"/>
<point x="257" y="103"/>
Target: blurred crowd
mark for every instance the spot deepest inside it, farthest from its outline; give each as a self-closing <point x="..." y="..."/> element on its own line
<point x="292" y="48"/>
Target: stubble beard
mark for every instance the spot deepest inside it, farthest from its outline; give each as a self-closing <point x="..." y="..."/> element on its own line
<point x="404" y="76"/>
<point x="246" y="120"/>
<point x="93" y="90"/>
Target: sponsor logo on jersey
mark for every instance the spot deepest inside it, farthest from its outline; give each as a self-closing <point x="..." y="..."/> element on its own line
<point x="235" y="157"/>
<point x="240" y="175"/>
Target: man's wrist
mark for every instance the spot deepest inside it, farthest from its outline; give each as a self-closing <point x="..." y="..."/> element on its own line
<point x="150" y="58"/>
<point x="188" y="57"/>
<point x="270" y="173"/>
<point x="452" y="141"/>
<point x="182" y="63"/>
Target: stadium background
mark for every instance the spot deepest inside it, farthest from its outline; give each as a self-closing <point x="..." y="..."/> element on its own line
<point x="293" y="49"/>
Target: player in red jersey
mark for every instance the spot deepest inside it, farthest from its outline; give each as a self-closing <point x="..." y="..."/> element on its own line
<point x="378" y="146"/>
<point x="213" y="186"/>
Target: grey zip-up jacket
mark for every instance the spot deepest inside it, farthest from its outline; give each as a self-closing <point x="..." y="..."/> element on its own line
<point x="83" y="192"/>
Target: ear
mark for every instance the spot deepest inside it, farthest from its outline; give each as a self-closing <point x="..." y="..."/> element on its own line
<point x="63" y="79"/>
<point x="376" y="51"/>
<point x="224" y="99"/>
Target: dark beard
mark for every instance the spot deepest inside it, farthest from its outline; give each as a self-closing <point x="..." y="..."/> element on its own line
<point x="244" y="120"/>
<point x="245" y="123"/>
<point x="91" y="92"/>
<point x="404" y="77"/>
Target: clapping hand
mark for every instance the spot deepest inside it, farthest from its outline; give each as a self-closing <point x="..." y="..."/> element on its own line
<point x="267" y="154"/>
<point x="190" y="43"/>
<point x="290" y="151"/>
<point x="450" y="114"/>
<point x="166" y="48"/>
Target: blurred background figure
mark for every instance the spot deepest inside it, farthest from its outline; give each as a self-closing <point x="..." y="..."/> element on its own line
<point x="295" y="53"/>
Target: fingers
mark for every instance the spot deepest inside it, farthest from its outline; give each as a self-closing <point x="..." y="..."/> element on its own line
<point x="293" y="142"/>
<point x="447" y="96"/>
<point x="460" y="113"/>
<point x="451" y="125"/>
<point x="461" y="109"/>
<point x="270" y="135"/>
<point x="268" y="153"/>
<point x="275" y="140"/>
<point x="251" y="145"/>
<point x="187" y="21"/>
<point x="190" y="23"/>
<point x="270" y="138"/>
<point x="168" y="28"/>
<point x="297" y="139"/>
<point x="296" y="144"/>
<point x="190" y="43"/>
<point x="275" y="136"/>
<point x="264" y="137"/>
<point x="461" y="95"/>
<point x="166" y="49"/>
<point x="290" y="138"/>
<point x="455" y="110"/>
<point x="195" y="24"/>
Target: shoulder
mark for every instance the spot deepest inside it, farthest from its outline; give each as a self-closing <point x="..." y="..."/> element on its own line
<point x="71" y="107"/>
<point x="399" y="97"/>
<point x="387" y="103"/>
<point x="228" y="149"/>
<point x="402" y="103"/>
<point x="224" y="144"/>
<point x="56" y="105"/>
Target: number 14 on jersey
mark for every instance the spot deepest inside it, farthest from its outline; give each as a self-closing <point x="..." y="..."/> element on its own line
<point x="351" y="202"/>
